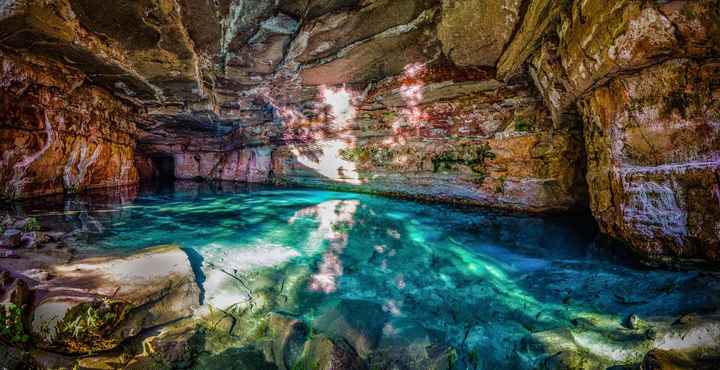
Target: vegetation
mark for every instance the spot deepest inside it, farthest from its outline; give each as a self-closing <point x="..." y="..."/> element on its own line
<point x="341" y="227"/>
<point x="31" y="224"/>
<point x="522" y="125"/>
<point x="12" y="329"/>
<point x="501" y="186"/>
<point x="470" y="155"/>
<point x="87" y="325"/>
<point x="376" y="155"/>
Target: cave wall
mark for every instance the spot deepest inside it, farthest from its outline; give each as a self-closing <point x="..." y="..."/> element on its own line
<point x="644" y="78"/>
<point x="536" y="105"/>
<point x="58" y="133"/>
<point x="443" y="133"/>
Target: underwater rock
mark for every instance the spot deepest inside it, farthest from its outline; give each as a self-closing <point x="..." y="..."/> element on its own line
<point x="407" y="345"/>
<point x="632" y="322"/>
<point x="323" y="353"/>
<point x="288" y="337"/>
<point x="658" y="359"/>
<point x="94" y="304"/>
<point x="358" y="322"/>
<point x="236" y="358"/>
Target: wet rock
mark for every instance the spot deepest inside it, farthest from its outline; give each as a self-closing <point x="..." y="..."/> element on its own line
<point x="323" y="353"/>
<point x="11" y="238"/>
<point x="34" y="239"/>
<point x="288" y="337"/>
<point x="14" y="358"/>
<point x="95" y="304"/>
<point x="632" y="322"/>
<point x="8" y="254"/>
<point x="407" y="345"/>
<point x="7" y="221"/>
<point x="658" y="359"/>
<point x="686" y="319"/>
<point x="235" y="358"/>
<point x="358" y="322"/>
<point x="5" y="278"/>
<point x="18" y="293"/>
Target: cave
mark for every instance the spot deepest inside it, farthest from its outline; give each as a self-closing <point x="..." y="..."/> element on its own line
<point x="165" y="167"/>
<point x="360" y="184"/>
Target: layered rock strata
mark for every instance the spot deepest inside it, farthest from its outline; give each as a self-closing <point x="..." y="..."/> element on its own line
<point x="428" y="98"/>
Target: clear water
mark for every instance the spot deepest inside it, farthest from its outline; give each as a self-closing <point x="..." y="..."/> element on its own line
<point x="488" y="284"/>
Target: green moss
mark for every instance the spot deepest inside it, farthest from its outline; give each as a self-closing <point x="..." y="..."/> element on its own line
<point x="12" y="329"/>
<point x="501" y="186"/>
<point x="31" y="224"/>
<point x="87" y="325"/>
<point x="470" y="155"/>
<point x="374" y="154"/>
<point x="522" y="125"/>
<point x="341" y="227"/>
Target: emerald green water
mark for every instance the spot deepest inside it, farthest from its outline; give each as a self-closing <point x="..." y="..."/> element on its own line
<point x="488" y="284"/>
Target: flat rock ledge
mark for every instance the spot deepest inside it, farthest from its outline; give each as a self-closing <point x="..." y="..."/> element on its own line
<point x="95" y="304"/>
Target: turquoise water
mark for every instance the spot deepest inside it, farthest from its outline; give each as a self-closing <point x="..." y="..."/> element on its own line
<point x="490" y="285"/>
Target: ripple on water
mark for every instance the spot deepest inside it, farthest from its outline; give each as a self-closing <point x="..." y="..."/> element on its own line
<point x="494" y="286"/>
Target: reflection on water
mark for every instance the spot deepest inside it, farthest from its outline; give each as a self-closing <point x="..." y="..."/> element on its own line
<point x="479" y="281"/>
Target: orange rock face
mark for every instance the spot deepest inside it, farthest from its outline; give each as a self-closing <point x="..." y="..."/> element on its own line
<point x="59" y="134"/>
<point x="653" y="142"/>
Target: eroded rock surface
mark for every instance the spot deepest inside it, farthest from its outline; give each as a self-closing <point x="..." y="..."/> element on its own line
<point x="479" y="102"/>
<point x="94" y="304"/>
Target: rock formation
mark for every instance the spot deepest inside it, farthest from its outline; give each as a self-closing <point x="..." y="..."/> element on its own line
<point x="536" y="105"/>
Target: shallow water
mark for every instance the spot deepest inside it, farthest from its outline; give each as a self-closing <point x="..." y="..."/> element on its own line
<point x="488" y="284"/>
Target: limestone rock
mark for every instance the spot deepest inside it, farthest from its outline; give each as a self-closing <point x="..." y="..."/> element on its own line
<point x="539" y="17"/>
<point x="288" y="339"/>
<point x="326" y="35"/>
<point x="324" y="353"/>
<point x="95" y="304"/>
<point x="359" y="323"/>
<point x="476" y="32"/>
<point x="658" y="359"/>
<point x="64" y="136"/>
<point x="652" y="147"/>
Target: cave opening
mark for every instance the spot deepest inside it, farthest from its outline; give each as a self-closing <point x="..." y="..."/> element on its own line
<point x="164" y="167"/>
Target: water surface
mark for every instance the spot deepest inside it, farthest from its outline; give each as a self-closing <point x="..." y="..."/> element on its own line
<point x="492" y="285"/>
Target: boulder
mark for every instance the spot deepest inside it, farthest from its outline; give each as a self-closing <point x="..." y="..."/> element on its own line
<point x="17" y="293"/>
<point x="323" y="353"/>
<point x="359" y="323"/>
<point x="94" y="304"/>
<point x="288" y="337"/>
<point x="658" y="359"/>
<point x="407" y="345"/>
